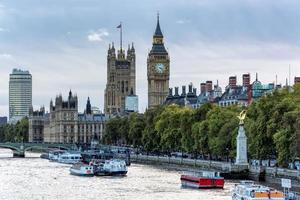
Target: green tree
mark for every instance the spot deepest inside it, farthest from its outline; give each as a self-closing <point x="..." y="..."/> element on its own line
<point x="136" y="127"/>
<point x="186" y="122"/>
<point x="150" y="136"/>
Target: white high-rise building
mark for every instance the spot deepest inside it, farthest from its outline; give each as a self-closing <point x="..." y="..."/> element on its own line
<point x="20" y="94"/>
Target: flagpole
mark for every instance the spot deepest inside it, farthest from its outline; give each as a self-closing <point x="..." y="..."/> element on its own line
<point x="121" y="36"/>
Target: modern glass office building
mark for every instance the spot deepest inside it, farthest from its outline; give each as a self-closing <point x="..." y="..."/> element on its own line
<point x="20" y="94"/>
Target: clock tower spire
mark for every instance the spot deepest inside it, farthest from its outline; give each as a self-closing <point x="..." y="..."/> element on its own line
<point x="158" y="69"/>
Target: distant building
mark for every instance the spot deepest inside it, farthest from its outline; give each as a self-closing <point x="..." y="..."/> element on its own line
<point x="208" y="94"/>
<point x="3" y="120"/>
<point x="20" y="94"/>
<point x="36" y="122"/>
<point x="176" y="99"/>
<point x="244" y="94"/>
<point x="131" y="103"/>
<point x="65" y="125"/>
<point x="185" y="99"/>
<point x="297" y="80"/>
<point x="236" y="94"/>
<point x="258" y="89"/>
<point x="90" y="125"/>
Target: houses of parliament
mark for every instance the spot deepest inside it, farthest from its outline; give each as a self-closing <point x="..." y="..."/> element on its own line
<point x="120" y="92"/>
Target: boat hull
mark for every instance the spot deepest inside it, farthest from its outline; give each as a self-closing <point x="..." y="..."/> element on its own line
<point x="116" y="173"/>
<point x="80" y="174"/>
<point x="202" y="182"/>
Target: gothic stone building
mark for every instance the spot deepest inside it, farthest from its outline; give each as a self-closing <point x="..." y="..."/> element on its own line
<point x="120" y="79"/>
<point x="63" y="120"/>
<point x="65" y="125"/>
<point x="36" y="121"/>
<point x="90" y="125"/>
<point x="158" y="70"/>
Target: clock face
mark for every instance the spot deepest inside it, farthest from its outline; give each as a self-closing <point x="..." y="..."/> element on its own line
<point x="159" y="67"/>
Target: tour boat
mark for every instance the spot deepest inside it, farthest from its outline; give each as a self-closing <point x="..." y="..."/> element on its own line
<point x="53" y="155"/>
<point x="69" y="157"/>
<point x="203" y="180"/>
<point x="81" y="169"/>
<point x="109" y="167"/>
<point x="250" y="191"/>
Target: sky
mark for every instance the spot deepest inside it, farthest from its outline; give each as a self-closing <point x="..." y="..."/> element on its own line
<point x="64" y="43"/>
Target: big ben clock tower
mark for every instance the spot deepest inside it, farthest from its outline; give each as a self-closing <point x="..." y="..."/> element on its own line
<point x="158" y="70"/>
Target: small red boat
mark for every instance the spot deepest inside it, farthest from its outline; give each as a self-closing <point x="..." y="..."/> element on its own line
<point x="203" y="180"/>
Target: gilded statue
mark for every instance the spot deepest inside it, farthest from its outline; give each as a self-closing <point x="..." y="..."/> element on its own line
<point x="242" y="116"/>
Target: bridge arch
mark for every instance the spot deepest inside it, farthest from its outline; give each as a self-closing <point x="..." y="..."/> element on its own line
<point x="9" y="147"/>
<point x="46" y="147"/>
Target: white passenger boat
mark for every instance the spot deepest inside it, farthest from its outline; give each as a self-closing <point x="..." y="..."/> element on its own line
<point x="247" y="190"/>
<point x="69" y="157"/>
<point x="81" y="169"/>
<point x="53" y="155"/>
<point x="109" y="167"/>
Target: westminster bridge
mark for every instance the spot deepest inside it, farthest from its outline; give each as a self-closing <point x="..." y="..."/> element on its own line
<point x="19" y="149"/>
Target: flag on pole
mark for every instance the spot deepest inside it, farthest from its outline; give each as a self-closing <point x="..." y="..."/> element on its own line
<point x="120" y="26"/>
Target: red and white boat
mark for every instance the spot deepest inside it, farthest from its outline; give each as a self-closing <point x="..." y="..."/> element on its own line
<point x="203" y="180"/>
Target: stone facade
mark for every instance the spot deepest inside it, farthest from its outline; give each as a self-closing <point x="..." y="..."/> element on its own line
<point x="90" y="125"/>
<point x="36" y="121"/>
<point x="65" y="125"/>
<point x="121" y="79"/>
<point x="63" y="120"/>
<point x="158" y="70"/>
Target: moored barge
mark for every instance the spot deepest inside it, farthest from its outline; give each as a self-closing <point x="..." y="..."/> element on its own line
<point x="204" y="180"/>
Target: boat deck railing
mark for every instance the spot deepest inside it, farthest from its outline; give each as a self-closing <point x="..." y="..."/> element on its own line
<point x="292" y="196"/>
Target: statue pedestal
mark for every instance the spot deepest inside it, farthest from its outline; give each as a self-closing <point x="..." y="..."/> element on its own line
<point x="241" y="147"/>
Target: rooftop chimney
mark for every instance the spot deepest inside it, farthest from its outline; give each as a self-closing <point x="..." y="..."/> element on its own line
<point x="176" y="92"/>
<point x="183" y="91"/>
<point x="170" y="92"/>
<point x="202" y="88"/>
<point x="190" y="88"/>
<point x="209" y="86"/>
<point x="195" y="91"/>
<point x="246" y="80"/>
<point x="232" y="81"/>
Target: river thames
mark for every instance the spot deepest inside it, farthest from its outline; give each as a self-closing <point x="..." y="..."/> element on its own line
<point x="33" y="178"/>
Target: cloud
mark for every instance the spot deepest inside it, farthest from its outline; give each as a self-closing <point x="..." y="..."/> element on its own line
<point x="97" y="36"/>
<point x="6" y="56"/>
<point x="183" y="21"/>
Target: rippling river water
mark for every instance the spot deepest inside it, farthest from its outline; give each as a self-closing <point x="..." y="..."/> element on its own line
<point x="38" y="179"/>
